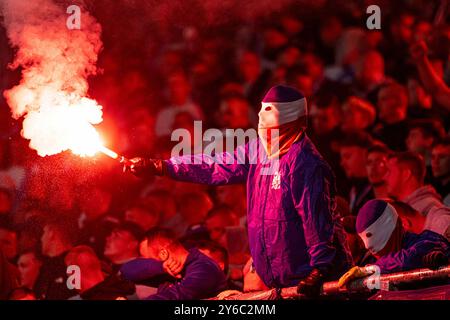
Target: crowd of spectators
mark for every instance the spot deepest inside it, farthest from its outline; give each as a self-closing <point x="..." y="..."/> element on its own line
<point x="373" y="116"/>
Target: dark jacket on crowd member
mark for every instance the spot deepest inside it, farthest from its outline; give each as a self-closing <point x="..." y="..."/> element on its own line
<point x="51" y="283"/>
<point x="112" y="288"/>
<point x="201" y="277"/>
<point x="414" y="248"/>
<point x="360" y="192"/>
<point x="393" y="135"/>
<point x="9" y="277"/>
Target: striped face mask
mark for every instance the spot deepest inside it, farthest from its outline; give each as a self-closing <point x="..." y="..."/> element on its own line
<point x="377" y="235"/>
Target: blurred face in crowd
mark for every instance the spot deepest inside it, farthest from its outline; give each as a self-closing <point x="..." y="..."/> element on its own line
<point x="422" y="30"/>
<point x="143" y="217"/>
<point x="120" y="244"/>
<point x="370" y="69"/>
<point x="413" y="223"/>
<point x="217" y="225"/>
<point x="330" y="31"/>
<point x="216" y="256"/>
<point x="95" y="203"/>
<point x="392" y="104"/>
<point x="402" y="28"/>
<point x="290" y="57"/>
<point x="354" y="119"/>
<point x="8" y="243"/>
<point x="234" y="113"/>
<point x="274" y="38"/>
<point x="249" y="66"/>
<point x="396" y="176"/>
<point x="133" y="82"/>
<point x="304" y="83"/>
<point x="291" y="25"/>
<point x="195" y="208"/>
<point x="5" y="201"/>
<point x="158" y="250"/>
<point x="440" y="161"/>
<point x="146" y="252"/>
<point x="376" y="166"/>
<point x="29" y="267"/>
<point x="325" y="120"/>
<point x="353" y="160"/>
<point x="179" y="89"/>
<point x="417" y="141"/>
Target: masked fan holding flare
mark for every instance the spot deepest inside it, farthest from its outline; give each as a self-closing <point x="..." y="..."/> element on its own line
<point x="295" y="237"/>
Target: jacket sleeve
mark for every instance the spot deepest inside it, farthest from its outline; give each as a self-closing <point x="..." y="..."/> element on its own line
<point x="407" y="259"/>
<point x="199" y="283"/>
<point x="222" y="169"/>
<point x="313" y="200"/>
<point x="141" y="269"/>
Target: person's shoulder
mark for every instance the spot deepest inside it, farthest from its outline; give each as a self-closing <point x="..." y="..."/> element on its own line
<point x="427" y="235"/>
<point x="305" y="158"/>
<point x="200" y="260"/>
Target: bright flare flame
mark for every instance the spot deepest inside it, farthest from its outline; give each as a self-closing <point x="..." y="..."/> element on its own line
<point x="68" y="125"/>
<point x="52" y="96"/>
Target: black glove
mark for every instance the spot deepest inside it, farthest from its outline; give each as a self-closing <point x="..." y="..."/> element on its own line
<point x="312" y="284"/>
<point x="144" y="167"/>
<point x="435" y="259"/>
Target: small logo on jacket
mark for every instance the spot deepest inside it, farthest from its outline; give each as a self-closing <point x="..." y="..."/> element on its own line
<point x="276" y="181"/>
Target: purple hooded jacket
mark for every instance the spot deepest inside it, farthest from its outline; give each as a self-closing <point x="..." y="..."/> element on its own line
<point x="292" y="226"/>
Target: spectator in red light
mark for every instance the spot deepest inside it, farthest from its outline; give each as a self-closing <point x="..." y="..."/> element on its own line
<point x="94" y="221"/>
<point x="357" y="114"/>
<point x="93" y="283"/>
<point x="405" y="182"/>
<point x="233" y="196"/>
<point x="194" y="208"/>
<point x="198" y="276"/>
<point x="376" y="165"/>
<point x="412" y="220"/>
<point x="29" y="265"/>
<point x="353" y="150"/>
<point x="216" y="252"/>
<point x="218" y="220"/>
<point x="235" y="113"/>
<point x="253" y="77"/>
<point x="122" y="245"/>
<point x="326" y="118"/>
<point x="57" y="239"/>
<point x="392" y="112"/>
<point x="369" y="74"/>
<point x="301" y="80"/>
<point x="144" y="216"/>
<point x="8" y="241"/>
<point x="423" y="134"/>
<point x="440" y="165"/>
<point x="180" y="100"/>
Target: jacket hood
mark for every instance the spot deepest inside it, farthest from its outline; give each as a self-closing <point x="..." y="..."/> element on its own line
<point x="424" y="199"/>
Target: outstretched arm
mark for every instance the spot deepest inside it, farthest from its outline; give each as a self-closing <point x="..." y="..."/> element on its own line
<point x="433" y="84"/>
<point x="224" y="168"/>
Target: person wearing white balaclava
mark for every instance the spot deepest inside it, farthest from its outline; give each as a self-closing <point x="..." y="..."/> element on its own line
<point x="380" y="228"/>
<point x="295" y="236"/>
